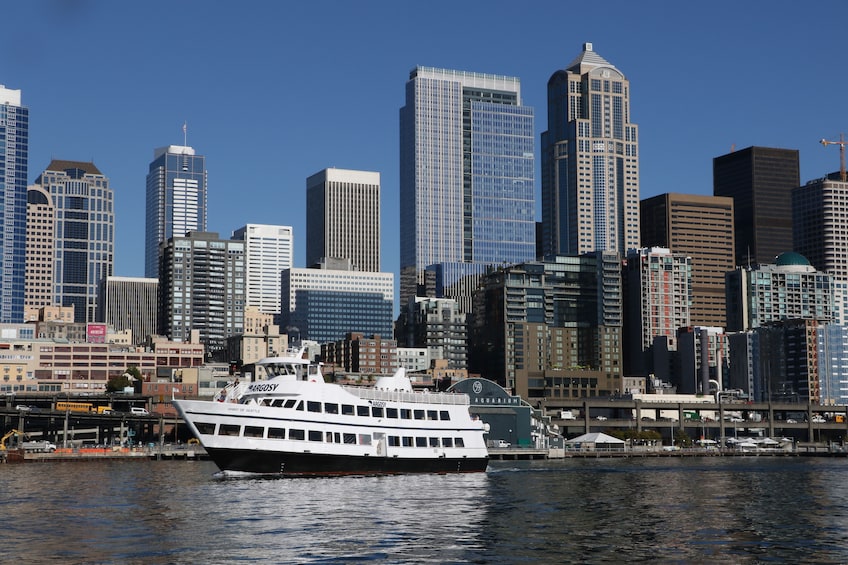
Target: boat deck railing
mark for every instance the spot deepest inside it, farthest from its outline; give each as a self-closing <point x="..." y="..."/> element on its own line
<point x="412" y="397"/>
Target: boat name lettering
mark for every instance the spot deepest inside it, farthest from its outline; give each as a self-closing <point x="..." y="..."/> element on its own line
<point x="379" y="404"/>
<point x="265" y="387"/>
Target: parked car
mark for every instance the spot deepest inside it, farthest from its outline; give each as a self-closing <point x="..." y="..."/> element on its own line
<point x="818" y="419"/>
<point x="601" y="418"/>
<point x="791" y="421"/>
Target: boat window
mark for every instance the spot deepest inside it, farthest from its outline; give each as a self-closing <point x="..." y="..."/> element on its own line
<point x="229" y="430"/>
<point x="296" y="434"/>
<point x="394" y="441"/>
<point x="377" y="412"/>
<point x="290" y="403"/>
<point x="362" y="411"/>
<point x="205" y="428"/>
<point x="434" y="442"/>
<point x="331" y="408"/>
<point x="315" y="436"/>
<point x="350" y="438"/>
<point x="364" y="439"/>
<point x="338" y="437"/>
<point x="347" y="409"/>
<point x="329" y="438"/>
<point x="254" y="431"/>
<point x="419" y="414"/>
<point x="313" y="406"/>
<point x="391" y="413"/>
<point x="279" y="402"/>
<point x="447" y="442"/>
<point x="276" y="433"/>
<point x="407" y="441"/>
<point x="406" y="413"/>
<point x="458" y="442"/>
<point x="431" y="415"/>
<point x="421" y="442"/>
<point x="444" y="415"/>
<point x="299" y="405"/>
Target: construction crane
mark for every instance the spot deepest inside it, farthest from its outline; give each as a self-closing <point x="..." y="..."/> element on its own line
<point x="8" y="435"/>
<point x="841" y="144"/>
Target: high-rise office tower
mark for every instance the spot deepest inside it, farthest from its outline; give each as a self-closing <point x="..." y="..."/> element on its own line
<point x="85" y="233"/>
<point x="820" y="232"/>
<point x="40" y="248"/>
<point x="343" y="218"/>
<point x="14" y="151"/>
<point x="590" y="160"/>
<point x="268" y="251"/>
<point x="702" y="228"/>
<point x="760" y="180"/>
<point x="176" y="200"/>
<point x="201" y="288"/>
<point x="130" y="303"/>
<point x="466" y="178"/>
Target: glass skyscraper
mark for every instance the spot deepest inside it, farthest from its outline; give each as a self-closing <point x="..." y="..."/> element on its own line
<point x="590" y="163"/>
<point x="466" y="177"/>
<point x="85" y="232"/>
<point x="14" y="150"/>
<point x="176" y="200"/>
<point x="760" y="180"/>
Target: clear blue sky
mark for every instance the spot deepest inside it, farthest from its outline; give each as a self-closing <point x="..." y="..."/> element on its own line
<point x="275" y="91"/>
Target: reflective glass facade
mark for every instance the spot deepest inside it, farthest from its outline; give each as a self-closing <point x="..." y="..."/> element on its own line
<point x="84" y="240"/>
<point x="326" y="304"/>
<point x="467" y="173"/>
<point x="14" y="150"/>
<point x="176" y="200"/>
<point x="833" y="360"/>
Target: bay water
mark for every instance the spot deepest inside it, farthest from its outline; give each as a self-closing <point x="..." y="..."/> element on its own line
<point x="657" y="510"/>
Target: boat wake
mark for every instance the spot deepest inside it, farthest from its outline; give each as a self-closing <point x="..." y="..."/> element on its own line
<point x="241" y="475"/>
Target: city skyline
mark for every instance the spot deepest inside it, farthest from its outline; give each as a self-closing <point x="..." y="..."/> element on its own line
<point x="725" y="79"/>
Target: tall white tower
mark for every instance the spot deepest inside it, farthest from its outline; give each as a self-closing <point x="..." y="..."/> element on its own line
<point x="268" y="250"/>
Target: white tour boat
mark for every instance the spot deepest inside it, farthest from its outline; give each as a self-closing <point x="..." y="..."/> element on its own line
<point x="294" y="423"/>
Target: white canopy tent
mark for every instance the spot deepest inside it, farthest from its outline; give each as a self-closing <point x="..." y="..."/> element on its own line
<point x="596" y="440"/>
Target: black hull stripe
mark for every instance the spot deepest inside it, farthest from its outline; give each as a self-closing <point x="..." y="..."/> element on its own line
<point x="312" y="464"/>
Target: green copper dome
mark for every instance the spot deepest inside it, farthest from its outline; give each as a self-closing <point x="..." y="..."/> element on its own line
<point x="791" y="258"/>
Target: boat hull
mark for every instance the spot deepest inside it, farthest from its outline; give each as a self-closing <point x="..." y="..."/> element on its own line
<point x="317" y="464"/>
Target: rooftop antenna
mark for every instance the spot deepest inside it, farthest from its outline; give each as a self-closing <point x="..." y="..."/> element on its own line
<point x="841" y="144"/>
<point x="185" y="134"/>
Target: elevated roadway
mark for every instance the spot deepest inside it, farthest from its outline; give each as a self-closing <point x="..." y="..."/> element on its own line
<point x="803" y="421"/>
